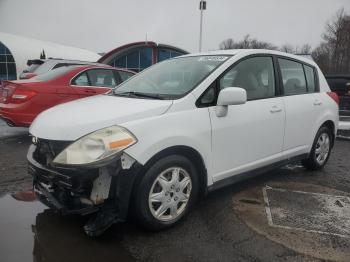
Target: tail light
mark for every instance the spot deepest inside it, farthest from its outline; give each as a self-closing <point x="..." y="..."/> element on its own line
<point x="21" y="95"/>
<point x="334" y="96"/>
<point x="4" y="94"/>
<point x="3" y="91"/>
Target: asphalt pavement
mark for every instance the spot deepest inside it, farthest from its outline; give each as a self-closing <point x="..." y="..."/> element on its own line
<point x="277" y="216"/>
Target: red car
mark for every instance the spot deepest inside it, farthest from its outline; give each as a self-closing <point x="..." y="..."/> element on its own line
<point x="22" y="100"/>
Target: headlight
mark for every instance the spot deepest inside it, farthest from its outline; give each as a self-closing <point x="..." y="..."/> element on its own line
<point x="96" y="146"/>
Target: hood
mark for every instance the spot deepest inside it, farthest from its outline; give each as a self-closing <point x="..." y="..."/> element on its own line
<point x="73" y="120"/>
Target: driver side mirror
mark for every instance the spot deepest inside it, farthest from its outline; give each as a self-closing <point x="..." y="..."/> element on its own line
<point x="230" y="96"/>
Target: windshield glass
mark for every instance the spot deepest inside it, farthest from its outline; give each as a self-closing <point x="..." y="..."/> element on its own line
<point x="54" y="73"/>
<point x="170" y="79"/>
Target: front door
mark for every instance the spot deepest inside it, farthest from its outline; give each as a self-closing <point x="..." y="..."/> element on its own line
<point x="250" y="135"/>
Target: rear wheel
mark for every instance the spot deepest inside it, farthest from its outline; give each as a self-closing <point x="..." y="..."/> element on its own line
<point x="321" y="150"/>
<point x="166" y="192"/>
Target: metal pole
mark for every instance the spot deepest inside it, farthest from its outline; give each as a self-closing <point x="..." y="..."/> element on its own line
<point x="200" y="28"/>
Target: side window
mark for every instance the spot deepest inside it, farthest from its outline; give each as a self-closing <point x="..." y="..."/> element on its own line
<point x="124" y="75"/>
<point x="81" y="80"/>
<point x="310" y="79"/>
<point x="102" y="78"/>
<point x="208" y="97"/>
<point x="255" y="75"/>
<point x="293" y="77"/>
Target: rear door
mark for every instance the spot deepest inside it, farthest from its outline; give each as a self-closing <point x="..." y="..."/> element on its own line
<point x="303" y="105"/>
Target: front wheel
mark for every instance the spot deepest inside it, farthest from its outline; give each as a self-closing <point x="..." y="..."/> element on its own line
<point x="321" y="150"/>
<point x="166" y="192"/>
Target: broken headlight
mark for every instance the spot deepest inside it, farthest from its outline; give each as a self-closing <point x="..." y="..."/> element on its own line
<point x="96" y="146"/>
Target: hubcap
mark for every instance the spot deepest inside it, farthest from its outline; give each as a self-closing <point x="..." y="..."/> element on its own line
<point x="170" y="193"/>
<point x="322" y="148"/>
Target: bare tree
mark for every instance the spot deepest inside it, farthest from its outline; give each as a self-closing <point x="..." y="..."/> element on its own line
<point x="333" y="54"/>
<point x="300" y="50"/>
<point x="304" y="49"/>
<point x="246" y="43"/>
<point x="287" y="48"/>
<point x="322" y="57"/>
<point x="227" y="44"/>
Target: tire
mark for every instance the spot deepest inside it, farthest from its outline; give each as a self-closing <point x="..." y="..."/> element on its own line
<point x="314" y="161"/>
<point x="166" y="194"/>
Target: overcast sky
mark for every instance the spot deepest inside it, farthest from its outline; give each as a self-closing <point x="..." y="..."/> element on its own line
<point x="100" y="25"/>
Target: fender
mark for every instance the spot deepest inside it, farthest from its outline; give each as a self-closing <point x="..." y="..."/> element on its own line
<point x="172" y="129"/>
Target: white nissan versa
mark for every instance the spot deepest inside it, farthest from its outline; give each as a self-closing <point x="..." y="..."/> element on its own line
<point x="177" y="130"/>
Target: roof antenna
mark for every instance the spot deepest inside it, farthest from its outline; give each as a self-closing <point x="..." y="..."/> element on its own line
<point x="146" y="39"/>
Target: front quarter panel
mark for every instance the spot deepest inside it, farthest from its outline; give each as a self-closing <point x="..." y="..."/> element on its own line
<point x="189" y="128"/>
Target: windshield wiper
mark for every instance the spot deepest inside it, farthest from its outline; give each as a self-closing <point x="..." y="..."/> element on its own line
<point x="139" y="94"/>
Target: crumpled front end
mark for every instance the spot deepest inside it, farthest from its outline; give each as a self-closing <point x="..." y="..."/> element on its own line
<point x="103" y="188"/>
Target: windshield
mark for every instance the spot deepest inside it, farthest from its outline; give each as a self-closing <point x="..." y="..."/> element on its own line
<point x="54" y="73"/>
<point x="170" y="79"/>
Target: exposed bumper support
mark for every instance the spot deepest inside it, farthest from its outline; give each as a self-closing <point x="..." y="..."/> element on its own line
<point x="68" y="191"/>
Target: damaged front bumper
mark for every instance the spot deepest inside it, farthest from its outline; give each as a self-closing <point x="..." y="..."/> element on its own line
<point x="84" y="190"/>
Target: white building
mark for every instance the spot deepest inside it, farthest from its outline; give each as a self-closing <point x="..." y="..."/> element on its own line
<point x="15" y="51"/>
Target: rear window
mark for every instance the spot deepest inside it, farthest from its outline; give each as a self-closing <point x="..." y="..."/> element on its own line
<point x="31" y="68"/>
<point x="45" y="67"/>
<point x="54" y="73"/>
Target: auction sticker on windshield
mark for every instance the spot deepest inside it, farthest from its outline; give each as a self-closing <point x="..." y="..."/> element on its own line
<point x="213" y="58"/>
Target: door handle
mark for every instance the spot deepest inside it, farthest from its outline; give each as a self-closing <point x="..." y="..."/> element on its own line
<point x="317" y="102"/>
<point x="275" y="109"/>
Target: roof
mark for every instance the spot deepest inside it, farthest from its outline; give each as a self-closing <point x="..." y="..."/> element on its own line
<point x="23" y="49"/>
<point x="254" y="51"/>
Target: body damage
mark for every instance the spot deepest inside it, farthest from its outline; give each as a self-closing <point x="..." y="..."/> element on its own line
<point x="102" y="189"/>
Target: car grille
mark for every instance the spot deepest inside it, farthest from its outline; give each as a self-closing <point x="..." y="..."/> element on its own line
<point x="67" y="184"/>
<point x="47" y="150"/>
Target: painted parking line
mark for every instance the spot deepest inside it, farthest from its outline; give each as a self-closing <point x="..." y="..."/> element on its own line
<point x="307" y="211"/>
